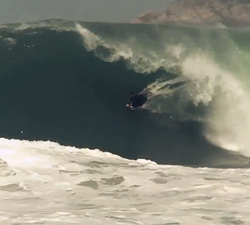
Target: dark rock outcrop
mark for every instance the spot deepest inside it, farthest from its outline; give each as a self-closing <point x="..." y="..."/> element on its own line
<point x="231" y="13"/>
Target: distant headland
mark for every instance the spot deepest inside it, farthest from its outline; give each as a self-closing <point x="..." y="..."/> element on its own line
<point x="230" y="13"/>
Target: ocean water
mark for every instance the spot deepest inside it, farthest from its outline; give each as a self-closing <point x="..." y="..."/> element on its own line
<point x="72" y="153"/>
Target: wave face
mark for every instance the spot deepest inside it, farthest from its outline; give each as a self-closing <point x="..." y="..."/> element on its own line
<point x="69" y="82"/>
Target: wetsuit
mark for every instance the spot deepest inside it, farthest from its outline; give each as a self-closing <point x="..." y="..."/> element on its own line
<point x="137" y="100"/>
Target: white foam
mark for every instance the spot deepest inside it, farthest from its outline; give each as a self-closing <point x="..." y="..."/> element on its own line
<point x="56" y="184"/>
<point x="130" y="51"/>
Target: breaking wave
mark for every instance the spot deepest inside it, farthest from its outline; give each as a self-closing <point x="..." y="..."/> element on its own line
<point x="68" y="82"/>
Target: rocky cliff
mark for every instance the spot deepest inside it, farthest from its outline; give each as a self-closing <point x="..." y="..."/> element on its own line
<point x="231" y="13"/>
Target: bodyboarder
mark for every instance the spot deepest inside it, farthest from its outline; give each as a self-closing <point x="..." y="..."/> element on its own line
<point x="136" y="100"/>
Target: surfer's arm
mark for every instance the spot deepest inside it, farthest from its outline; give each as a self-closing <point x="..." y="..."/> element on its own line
<point x="129" y="105"/>
<point x="130" y="102"/>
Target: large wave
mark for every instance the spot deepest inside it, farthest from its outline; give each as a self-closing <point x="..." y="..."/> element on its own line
<point x="68" y="82"/>
<point x="210" y="82"/>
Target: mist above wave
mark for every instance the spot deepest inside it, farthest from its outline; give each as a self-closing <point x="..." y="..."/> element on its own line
<point x="207" y="82"/>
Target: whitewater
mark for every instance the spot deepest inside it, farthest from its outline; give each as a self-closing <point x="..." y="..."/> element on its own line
<point x="70" y="151"/>
<point x="45" y="183"/>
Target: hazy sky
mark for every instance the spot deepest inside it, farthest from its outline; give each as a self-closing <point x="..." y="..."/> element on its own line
<point x="85" y="10"/>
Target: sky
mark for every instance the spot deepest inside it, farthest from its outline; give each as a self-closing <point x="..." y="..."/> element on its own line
<point x="84" y="10"/>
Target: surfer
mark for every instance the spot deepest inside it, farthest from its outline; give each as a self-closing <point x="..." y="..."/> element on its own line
<point x="136" y="100"/>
